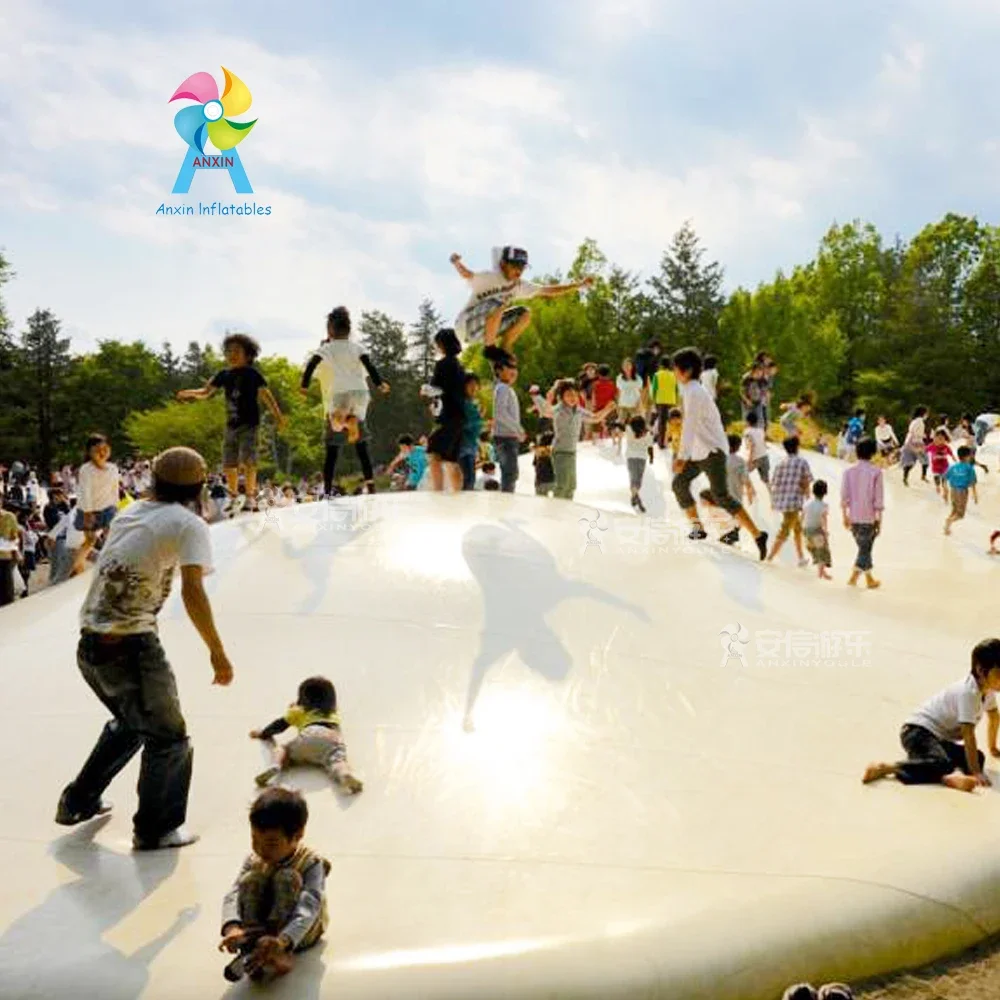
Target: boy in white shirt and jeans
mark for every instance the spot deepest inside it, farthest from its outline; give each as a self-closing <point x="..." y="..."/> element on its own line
<point x="121" y="659"/>
<point x="488" y="315"/>
<point x="940" y="737"/>
<point x="704" y="449"/>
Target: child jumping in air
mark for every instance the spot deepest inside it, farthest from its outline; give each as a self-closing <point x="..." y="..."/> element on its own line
<point x="940" y="737"/>
<point x="961" y="478"/>
<point x="319" y="740"/>
<point x="97" y="500"/>
<point x="244" y="387"/>
<point x="862" y="504"/>
<point x="638" y="446"/>
<point x="816" y="528"/>
<point x="488" y="315"/>
<point x="703" y="449"/>
<point x="277" y="905"/>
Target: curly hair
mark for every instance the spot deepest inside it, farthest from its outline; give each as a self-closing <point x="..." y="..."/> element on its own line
<point x="250" y="346"/>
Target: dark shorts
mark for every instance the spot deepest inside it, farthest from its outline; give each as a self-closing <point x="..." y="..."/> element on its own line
<point x="446" y="441"/>
<point x="239" y="447"/>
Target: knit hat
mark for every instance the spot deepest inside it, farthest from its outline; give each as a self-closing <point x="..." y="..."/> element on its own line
<point x="180" y="467"/>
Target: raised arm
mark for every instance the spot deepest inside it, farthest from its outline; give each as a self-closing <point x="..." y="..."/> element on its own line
<point x="456" y="260"/>
<point x="307" y="373"/>
<point x="554" y="291"/>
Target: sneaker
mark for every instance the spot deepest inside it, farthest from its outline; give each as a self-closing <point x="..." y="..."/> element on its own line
<point x="266" y="777"/>
<point x="730" y="537"/>
<point x="635" y="501"/>
<point x="697" y="534"/>
<point x="66" y="817"/>
<point x="803" y="562"/>
<point x="761" y="541"/>
<point x="235" y="970"/>
<point x="641" y="507"/>
<point x="180" y="837"/>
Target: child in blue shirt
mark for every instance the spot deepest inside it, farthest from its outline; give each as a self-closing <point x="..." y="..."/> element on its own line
<point x="415" y="458"/>
<point x="961" y="478"/>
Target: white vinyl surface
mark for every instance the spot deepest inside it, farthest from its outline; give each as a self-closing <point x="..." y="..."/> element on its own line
<point x="575" y="785"/>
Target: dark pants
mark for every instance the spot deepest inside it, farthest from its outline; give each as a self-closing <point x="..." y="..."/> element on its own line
<point x="330" y="464"/>
<point x="864" y="535"/>
<point x="662" y="411"/>
<point x="467" y="463"/>
<point x="507" y="450"/>
<point x="929" y="759"/>
<point x="714" y="466"/>
<point x="133" y="679"/>
<point x="6" y="582"/>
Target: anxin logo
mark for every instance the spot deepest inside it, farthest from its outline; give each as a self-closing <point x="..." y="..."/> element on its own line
<point x="209" y="118"/>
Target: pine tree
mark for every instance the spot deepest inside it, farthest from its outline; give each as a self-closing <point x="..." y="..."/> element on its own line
<point x="171" y="368"/>
<point x="687" y="293"/>
<point x="422" y="339"/>
<point x="47" y="361"/>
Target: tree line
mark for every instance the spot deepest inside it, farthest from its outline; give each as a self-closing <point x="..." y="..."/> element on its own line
<point x="883" y="324"/>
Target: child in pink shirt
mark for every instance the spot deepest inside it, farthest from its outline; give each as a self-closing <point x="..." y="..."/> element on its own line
<point x="862" y="502"/>
<point x="941" y="457"/>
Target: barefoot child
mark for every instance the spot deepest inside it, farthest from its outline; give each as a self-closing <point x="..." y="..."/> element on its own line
<point x="961" y="477"/>
<point x="790" y="487"/>
<point x="940" y="737"/>
<point x="277" y="905"/>
<point x="488" y="315"/>
<point x="638" y="447"/>
<point x="862" y="504"/>
<point x="244" y="387"/>
<point x="703" y="449"/>
<point x="319" y="741"/>
<point x="816" y="528"/>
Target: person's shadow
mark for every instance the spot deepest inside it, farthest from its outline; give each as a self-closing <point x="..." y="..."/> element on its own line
<point x="58" y="948"/>
<point x="337" y="524"/>
<point x="521" y="584"/>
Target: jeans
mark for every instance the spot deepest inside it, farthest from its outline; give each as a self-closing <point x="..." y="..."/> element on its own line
<point x="864" y="535"/>
<point x="564" y="464"/>
<point x="636" y="469"/>
<point x="131" y="676"/>
<point x="507" y="450"/>
<point x="467" y="463"/>
<point x="981" y="429"/>
<point x="6" y="581"/>
<point x="60" y="561"/>
<point x="930" y="759"/>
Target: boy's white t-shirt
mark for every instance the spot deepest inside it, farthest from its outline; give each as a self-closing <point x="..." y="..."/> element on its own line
<point x="884" y="433"/>
<point x="710" y="380"/>
<point x="961" y="703"/>
<point x="147" y="542"/>
<point x="340" y="369"/>
<point x="812" y="514"/>
<point x="756" y="443"/>
<point x="97" y="489"/>
<point x="915" y="432"/>
<point x="30" y="540"/>
<point x="495" y="286"/>
<point x="637" y="447"/>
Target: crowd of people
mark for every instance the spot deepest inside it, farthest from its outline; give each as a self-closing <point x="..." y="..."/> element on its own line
<point x="148" y="518"/>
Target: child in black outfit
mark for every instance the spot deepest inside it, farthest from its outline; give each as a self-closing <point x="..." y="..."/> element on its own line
<point x="545" y="474"/>
<point x="445" y="442"/>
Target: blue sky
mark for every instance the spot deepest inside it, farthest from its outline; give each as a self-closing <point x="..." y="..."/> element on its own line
<point x="391" y="134"/>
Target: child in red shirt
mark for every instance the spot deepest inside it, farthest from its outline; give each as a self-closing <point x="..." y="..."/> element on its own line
<point x="604" y="390"/>
<point x="941" y="457"/>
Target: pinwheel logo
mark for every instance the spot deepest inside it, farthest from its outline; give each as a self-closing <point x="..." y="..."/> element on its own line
<point x="210" y="119"/>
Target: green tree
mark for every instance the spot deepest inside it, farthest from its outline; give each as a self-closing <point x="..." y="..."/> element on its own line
<point x="687" y="294"/>
<point x="422" y="339"/>
<point x="193" y="425"/>
<point x="46" y="363"/>
<point x="102" y="388"/>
